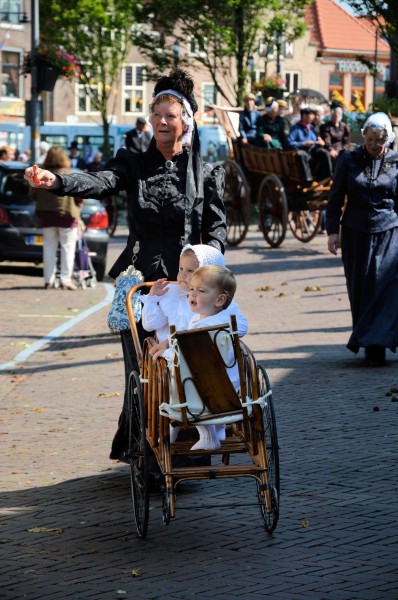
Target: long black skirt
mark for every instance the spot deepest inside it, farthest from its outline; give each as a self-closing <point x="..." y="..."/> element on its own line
<point x="371" y="271"/>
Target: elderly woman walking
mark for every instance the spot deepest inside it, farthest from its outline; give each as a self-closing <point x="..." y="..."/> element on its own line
<point x="365" y="184"/>
<point x="172" y="197"/>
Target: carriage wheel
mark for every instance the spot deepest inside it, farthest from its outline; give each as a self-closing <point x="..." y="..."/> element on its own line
<point x="272" y="208"/>
<point x="237" y="203"/>
<point x="305" y="224"/>
<point x="269" y="509"/>
<point x="138" y="454"/>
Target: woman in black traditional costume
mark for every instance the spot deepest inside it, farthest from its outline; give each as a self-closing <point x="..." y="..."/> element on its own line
<point x="367" y="178"/>
<point x="172" y="197"/>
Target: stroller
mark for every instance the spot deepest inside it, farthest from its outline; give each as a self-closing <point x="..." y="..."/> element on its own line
<point x="84" y="273"/>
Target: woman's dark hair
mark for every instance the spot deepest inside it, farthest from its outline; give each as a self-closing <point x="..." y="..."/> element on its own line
<point x="180" y="81"/>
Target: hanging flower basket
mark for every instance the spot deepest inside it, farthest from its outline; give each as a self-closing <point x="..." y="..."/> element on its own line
<point x="46" y="78"/>
<point x="52" y="62"/>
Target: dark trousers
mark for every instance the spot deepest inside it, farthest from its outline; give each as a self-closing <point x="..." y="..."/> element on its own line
<point x="316" y="165"/>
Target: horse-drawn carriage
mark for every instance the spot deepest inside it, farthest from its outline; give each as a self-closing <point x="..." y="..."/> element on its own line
<point x="272" y="179"/>
<point x="197" y="390"/>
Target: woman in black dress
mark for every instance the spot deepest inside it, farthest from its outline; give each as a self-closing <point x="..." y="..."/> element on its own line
<point x="172" y="198"/>
<point x="368" y="178"/>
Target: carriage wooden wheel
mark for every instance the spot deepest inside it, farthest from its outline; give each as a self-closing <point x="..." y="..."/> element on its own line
<point x="237" y="203"/>
<point x="304" y="224"/>
<point x="272" y="208"/>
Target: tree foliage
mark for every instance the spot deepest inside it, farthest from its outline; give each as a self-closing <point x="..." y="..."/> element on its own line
<point x="99" y="34"/>
<point x="224" y="33"/>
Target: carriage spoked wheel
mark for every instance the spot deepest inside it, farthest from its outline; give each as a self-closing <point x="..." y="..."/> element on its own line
<point x="138" y="454"/>
<point x="304" y="224"/>
<point x="237" y="203"/>
<point x="272" y="208"/>
<point x="269" y="507"/>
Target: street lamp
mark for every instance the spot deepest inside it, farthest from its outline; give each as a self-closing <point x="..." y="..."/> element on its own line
<point x="176" y="51"/>
<point x="250" y="64"/>
<point x="34" y="94"/>
<point x="279" y="41"/>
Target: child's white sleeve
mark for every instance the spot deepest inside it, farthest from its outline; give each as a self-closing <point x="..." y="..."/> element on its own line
<point x="153" y="318"/>
<point x="241" y="320"/>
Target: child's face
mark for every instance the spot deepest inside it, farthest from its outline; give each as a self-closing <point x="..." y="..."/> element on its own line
<point x="188" y="264"/>
<point x="204" y="298"/>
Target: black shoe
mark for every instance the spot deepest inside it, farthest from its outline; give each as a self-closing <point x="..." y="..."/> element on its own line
<point x="375" y="356"/>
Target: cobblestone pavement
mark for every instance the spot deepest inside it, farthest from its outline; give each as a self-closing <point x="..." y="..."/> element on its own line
<point x="66" y="514"/>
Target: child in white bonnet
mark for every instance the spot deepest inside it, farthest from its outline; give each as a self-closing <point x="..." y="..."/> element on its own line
<point x="167" y="303"/>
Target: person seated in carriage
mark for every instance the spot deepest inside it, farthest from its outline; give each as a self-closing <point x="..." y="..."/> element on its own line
<point x="248" y="120"/>
<point x="314" y="161"/>
<point x="270" y="126"/>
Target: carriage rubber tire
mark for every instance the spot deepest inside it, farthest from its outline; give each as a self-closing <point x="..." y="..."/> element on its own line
<point x="138" y="454"/>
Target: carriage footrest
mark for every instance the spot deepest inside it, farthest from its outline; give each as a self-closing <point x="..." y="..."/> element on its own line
<point x="227" y="446"/>
<point x="217" y="471"/>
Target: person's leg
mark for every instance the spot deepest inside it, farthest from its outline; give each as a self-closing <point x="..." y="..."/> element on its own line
<point x="303" y="165"/>
<point x="321" y="164"/>
<point x="50" y="246"/>
<point x="208" y="439"/>
<point x="67" y="239"/>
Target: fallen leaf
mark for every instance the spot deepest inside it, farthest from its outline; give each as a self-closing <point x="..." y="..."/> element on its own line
<point x="305" y="524"/>
<point x="111" y="355"/>
<point x="284" y="283"/>
<point x="108" y="394"/>
<point x="267" y="288"/>
<point x="281" y="295"/>
<point x="121" y="592"/>
<point x="394" y="390"/>
<point x="39" y="410"/>
<point x="313" y="288"/>
<point x="136" y="572"/>
<point x="56" y="530"/>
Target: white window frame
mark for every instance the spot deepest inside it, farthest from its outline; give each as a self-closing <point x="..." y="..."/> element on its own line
<point x="204" y="102"/>
<point x="292" y="74"/>
<point x="19" y="85"/>
<point x="127" y="90"/>
<point x="80" y="86"/>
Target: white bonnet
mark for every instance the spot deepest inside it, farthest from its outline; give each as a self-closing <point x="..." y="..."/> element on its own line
<point x="186" y="113"/>
<point x="272" y="106"/>
<point x="381" y="121"/>
<point x="206" y="255"/>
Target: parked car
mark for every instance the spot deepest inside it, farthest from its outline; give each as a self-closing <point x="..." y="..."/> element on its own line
<point x="21" y="235"/>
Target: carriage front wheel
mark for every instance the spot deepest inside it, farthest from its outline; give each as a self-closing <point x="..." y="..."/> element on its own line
<point x="138" y="454"/>
<point x="272" y="208"/>
<point x="237" y="203"/>
<point x="305" y="224"/>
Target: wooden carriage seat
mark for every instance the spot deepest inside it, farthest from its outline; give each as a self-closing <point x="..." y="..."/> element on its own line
<point x="200" y="383"/>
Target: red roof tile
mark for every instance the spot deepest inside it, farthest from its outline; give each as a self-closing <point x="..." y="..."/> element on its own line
<point x="335" y="28"/>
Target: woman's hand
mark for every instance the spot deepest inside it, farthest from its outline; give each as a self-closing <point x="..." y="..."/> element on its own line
<point x="157" y="350"/>
<point x="159" y="287"/>
<point x="40" y="178"/>
<point x="333" y="243"/>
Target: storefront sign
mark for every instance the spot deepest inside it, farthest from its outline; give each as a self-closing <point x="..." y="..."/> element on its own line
<point x="354" y="66"/>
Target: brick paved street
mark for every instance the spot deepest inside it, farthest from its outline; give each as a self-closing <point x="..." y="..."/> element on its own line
<point x="66" y="515"/>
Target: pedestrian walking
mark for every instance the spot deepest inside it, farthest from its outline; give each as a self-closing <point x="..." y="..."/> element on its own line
<point x="368" y="177"/>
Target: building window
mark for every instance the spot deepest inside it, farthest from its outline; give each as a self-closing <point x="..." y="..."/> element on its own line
<point x="357" y="93"/>
<point x="336" y="87"/>
<point x="209" y="96"/>
<point x="293" y="80"/>
<point x="11" y="63"/>
<point x="133" y="89"/>
<point x="195" y="49"/>
<point x="84" y="100"/>
<point x="11" y="11"/>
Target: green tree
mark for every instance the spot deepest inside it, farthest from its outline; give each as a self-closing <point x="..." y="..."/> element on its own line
<point x="224" y="33"/>
<point x="99" y="34"/>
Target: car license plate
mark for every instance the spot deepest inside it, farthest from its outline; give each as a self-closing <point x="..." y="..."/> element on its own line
<point x="34" y="240"/>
